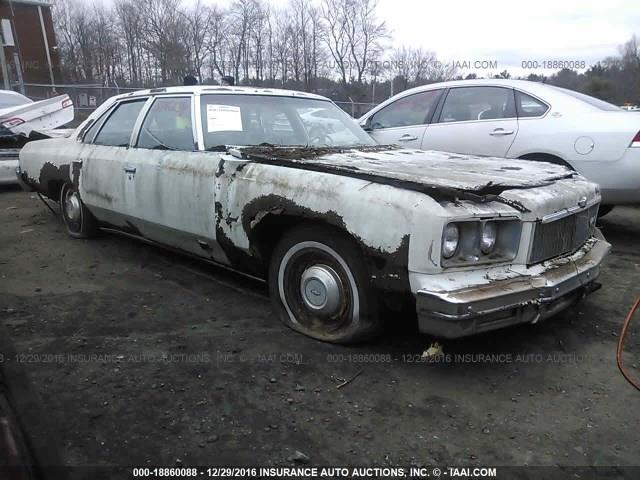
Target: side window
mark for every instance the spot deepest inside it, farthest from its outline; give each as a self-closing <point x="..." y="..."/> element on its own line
<point x="478" y="103"/>
<point x="116" y="130"/>
<point x="87" y="136"/>
<point x="527" y="106"/>
<point x="168" y="125"/>
<point x="407" y="111"/>
<point x="90" y="130"/>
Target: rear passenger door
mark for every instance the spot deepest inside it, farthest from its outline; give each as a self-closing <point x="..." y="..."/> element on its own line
<point x="105" y="156"/>
<point x="474" y="120"/>
<point x="404" y="121"/>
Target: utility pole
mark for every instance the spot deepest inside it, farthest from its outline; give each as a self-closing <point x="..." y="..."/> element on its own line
<point x="16" y="62"/>
<point x="3" y="64"/>
<point x="5" y="70"/>
<point x="46" y="49"/>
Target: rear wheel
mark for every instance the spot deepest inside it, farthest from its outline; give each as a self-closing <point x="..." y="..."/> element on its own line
<point x="319" y="286"/>
<point x="77" y="218"/>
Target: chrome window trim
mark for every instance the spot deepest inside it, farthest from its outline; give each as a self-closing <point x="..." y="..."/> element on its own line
<point x="198" y="121"/>
<point x="135" y="133"/>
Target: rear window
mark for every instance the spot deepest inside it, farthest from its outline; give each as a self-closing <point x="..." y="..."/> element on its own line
<point x="528" y="107"/>
<point x="245" y="120"/>
<point x="594" y="102"/>
<point x="116" y="130"/>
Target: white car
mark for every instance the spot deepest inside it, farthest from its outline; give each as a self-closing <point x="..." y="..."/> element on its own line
<point x="23" y="120"/>
<point x="337" y="225"/>
<point x="519" y="119"/>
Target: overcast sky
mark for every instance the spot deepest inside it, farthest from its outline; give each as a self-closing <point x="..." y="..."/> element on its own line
<point x="509" y="32"/>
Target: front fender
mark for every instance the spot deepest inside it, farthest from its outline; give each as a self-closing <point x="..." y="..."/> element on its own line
<point x="380" y="218"/>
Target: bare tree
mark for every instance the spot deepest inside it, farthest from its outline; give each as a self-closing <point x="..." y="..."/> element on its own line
<point x="333" y="46"/>
<point x="364" y="32"/>
<point x="283" y="45"/>
<point x="241" y="18"/>
<point x="336" y="37"/>
<point x="130" y="19"/>
<point x="197" y="20"/>
<point x="216" y="42"/>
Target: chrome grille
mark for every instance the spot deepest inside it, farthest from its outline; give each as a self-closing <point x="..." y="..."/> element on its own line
<point x="562" y="236"/>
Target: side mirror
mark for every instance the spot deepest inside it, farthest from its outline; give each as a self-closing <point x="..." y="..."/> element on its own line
<point x="366" y="126"/>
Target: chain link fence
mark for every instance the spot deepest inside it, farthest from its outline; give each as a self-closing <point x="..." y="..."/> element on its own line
<point x="87" y="97"/>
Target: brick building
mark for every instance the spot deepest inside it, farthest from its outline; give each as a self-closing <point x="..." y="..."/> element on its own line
<point x="34" y="58"/>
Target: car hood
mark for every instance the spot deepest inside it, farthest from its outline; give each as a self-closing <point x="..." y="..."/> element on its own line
<point x="448" y="175"/>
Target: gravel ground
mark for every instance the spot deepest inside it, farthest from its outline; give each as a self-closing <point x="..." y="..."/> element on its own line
<point x="144" y="357"/>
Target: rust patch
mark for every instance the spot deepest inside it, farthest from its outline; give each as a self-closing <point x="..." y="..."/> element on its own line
<point x="388" y="270"/>
<point x="51" y="178"/>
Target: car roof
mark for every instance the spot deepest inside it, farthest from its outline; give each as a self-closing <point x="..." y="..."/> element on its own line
<point x="202" y="89"/>
<point x="545" y="92"/>
<point x="524" y="85"/>
<point x="227" y="90"/>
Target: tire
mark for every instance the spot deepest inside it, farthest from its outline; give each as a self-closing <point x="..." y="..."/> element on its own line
<point x="604" y="210"/>
<point x="319" y="286"/>
<point x="77" y="218"/>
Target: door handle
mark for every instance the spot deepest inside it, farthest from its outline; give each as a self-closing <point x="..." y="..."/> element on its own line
<point x="501" y="132"/>
<point x="407" y="138"/>
<point x="130" y="169"/>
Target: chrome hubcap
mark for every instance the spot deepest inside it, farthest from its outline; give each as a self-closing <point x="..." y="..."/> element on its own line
<point x="321" y="290"/>
<point x="72" y="207"/>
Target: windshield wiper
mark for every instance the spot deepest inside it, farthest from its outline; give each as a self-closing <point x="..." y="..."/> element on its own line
<point x="162" y="146"/>
<point x="217" y="148"/>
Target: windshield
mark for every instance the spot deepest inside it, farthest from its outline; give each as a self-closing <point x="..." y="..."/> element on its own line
<point x="12" y="99"/>
<point x="245" y="120"/>
<point x="594" y="102"/>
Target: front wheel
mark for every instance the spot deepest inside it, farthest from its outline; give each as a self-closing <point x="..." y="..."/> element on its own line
<point x="77" y="218"/>
<point x="319" y="286"/>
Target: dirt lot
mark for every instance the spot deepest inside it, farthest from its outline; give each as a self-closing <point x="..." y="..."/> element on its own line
<point x="145" y="358"/>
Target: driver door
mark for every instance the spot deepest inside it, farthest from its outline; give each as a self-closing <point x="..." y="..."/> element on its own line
<point x="105" y="156"/>
<point x="172" y="197"/>
<point x="404" y="121"/>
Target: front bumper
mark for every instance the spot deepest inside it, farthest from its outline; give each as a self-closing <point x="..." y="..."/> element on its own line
<point x="521" y="299"/>
<point x="7" y="170"/>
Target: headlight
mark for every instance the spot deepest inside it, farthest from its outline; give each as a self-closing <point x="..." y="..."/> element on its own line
<point x="450" y="240"/>
<point x="477" y="241"/>
<point x="488" y="237"/>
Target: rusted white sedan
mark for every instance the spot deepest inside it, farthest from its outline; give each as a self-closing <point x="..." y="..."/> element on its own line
<point x="286" y="187"/>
